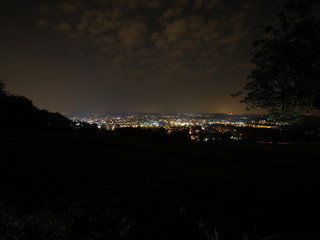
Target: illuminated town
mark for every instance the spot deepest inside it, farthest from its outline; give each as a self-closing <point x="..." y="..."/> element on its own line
<point x="198" y="127"/>
<point x="112" y="121"/>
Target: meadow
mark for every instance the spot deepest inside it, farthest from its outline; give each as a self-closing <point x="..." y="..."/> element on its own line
<point x="82" y="185"/>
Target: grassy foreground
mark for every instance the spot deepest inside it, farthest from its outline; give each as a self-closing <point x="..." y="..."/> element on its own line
<point x="71" y="185"/>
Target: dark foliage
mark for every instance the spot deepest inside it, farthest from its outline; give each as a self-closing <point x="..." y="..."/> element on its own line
<point x="285" y="80"/>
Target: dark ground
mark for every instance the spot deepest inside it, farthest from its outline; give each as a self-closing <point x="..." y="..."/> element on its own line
<point x="72" y="185"/>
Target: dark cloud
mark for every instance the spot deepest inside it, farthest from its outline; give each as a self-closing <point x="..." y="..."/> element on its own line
<point x="43" y="23"/>
<point x="67" y="7"/>
<point x="143" y="31"/>
<point x="160" y="54"/>
<point x="44" y="8"/>
<point x="147" y="43"/>
<point x="62" y="27"/>
<point x="207" y="4"/>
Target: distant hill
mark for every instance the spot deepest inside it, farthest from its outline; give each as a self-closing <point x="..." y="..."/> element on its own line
<point x="19" y="112"/>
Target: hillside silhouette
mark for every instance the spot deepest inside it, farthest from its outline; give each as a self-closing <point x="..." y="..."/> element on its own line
<point x="19" y="112"/>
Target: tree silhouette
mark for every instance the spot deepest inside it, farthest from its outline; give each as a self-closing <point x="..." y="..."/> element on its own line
<point x="2" y="89"/>
<point x="285" y="80"/>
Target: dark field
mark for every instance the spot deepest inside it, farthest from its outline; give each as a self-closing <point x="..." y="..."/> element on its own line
<point x="71" y="185"/>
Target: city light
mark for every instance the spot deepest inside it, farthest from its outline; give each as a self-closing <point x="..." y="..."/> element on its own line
<point x="198" y="127"/>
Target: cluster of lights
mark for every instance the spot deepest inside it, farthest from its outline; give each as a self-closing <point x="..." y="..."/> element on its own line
<point x="110" y="122"/>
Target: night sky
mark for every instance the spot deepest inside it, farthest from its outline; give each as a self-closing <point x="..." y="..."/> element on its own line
<point x="130" y="55"/>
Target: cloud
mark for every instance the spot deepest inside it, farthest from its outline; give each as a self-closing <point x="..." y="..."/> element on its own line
<point x="172" y="38"/>
<point x="132" y="35"/>
<point x="181" y="2"/>
<point x="62" y="27"/>
<point x="176" y="30"/>
<point x="67" y="7"/>
<point x="208" y="4"/>
<point x="44" y="8"/>
<point x="171" y="13"/>
<point x="45" y="23"/>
